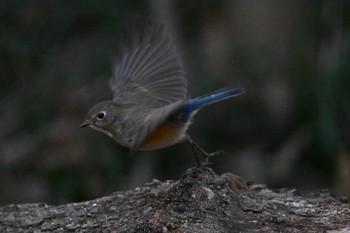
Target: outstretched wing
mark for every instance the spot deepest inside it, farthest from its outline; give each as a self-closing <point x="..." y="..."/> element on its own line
<point x="149" y="71"/>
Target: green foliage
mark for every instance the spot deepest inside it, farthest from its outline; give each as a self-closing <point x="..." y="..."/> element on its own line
<point x="291" y="128"/>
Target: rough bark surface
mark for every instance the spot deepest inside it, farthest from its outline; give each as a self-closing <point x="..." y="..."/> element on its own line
<point x="200" y="201"/>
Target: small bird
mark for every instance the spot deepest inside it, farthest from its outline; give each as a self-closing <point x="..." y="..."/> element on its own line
<point x="149" y="109"/>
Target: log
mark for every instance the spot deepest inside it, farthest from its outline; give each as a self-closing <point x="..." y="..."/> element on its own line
<point x="201" y="201"/>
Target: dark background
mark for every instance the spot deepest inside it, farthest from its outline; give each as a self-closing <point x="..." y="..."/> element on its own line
<point x="291" y="128"/>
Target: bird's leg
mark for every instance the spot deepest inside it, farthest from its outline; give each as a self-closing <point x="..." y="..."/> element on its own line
<point x="195" y="146"/>
<point x="190" y="142"/>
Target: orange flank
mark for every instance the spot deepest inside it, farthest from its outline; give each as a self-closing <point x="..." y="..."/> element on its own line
<point x="165" y="135"/>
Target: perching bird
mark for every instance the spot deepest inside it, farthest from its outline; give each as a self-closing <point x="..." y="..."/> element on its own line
<point x="149" y="109"/>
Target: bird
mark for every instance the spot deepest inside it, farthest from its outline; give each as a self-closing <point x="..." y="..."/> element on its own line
<point x="150" y="109"/>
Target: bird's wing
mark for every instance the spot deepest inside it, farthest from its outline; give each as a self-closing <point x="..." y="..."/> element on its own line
<point x="136" y="129"/>
<point x="149" y="71"/>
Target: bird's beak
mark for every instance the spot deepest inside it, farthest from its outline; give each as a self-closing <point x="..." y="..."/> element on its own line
<point x="85" y="123"/>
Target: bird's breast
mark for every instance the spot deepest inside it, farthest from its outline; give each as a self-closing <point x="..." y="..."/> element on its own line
<point x="166" y="134"/>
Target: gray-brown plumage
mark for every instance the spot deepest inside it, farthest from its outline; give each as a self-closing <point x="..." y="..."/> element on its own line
<point x="149" y="109"/>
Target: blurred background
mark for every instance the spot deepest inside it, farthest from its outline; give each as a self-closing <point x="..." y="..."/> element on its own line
<point x="290" y="129"/>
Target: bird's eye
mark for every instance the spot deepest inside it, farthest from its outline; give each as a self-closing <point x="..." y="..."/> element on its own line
<point x="101" y="115"/>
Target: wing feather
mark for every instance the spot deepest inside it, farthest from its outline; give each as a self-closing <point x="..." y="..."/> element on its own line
<point x="149" y="71"/>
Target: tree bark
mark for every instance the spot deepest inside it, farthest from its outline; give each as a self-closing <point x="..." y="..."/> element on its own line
<point x="200" y="201"/>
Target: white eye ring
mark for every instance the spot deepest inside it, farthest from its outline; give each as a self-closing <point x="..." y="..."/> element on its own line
<point x="101" y="115"/>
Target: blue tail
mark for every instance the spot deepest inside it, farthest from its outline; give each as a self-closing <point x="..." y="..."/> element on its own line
<point x="213" y="97"/>
<point x="185" y="112"/>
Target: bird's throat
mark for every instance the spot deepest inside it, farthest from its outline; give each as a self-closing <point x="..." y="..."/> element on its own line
<point x="102" y="130"/>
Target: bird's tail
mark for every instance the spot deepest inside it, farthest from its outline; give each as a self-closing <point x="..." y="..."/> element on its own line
<point x="213" y="97"/>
